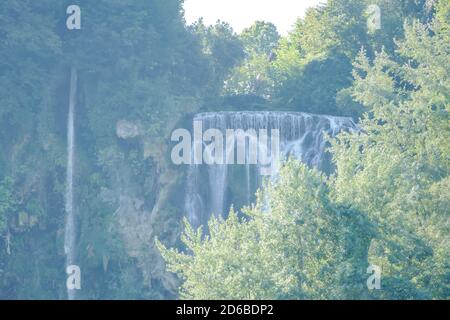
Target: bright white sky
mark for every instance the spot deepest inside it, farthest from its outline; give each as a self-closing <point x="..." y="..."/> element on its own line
<point x="242" y="13"/>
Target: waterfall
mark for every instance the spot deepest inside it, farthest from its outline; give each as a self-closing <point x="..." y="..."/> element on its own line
<point x="301" y="136"/>
<point x="70" y="230"/>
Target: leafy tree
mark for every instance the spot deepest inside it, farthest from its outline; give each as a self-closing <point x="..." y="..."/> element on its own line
<point x="387" y="204"/>
<point x="396" y="169"/>
<point x="297" y="246"/>
<point x="261" y="38"/>
<point x="252" y="77"/>
<point x="223" y="49"/>
<point x="443" y="15"/>
<point x="310" y="68"/>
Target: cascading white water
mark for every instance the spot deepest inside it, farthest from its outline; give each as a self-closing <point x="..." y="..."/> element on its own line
<point x="302" y="136"/>
<point x="70" y="231"/>
<point x="217" y="176"/>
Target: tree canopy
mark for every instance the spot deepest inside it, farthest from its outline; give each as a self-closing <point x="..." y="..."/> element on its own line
<point x="387" y="204"/>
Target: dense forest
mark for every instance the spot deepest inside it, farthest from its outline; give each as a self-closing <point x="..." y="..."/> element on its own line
<point x="143" y="71"/>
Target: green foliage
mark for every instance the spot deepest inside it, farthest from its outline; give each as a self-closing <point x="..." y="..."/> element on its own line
<point x="7" y="202"/>
<point x="139" y="63"/>
<point x="314" y="238"/>
<point x="253" y="76"/>
<point x="396" y="169"/>
<point x="136" y="61"/>
<point x="443" y="14"/>
<point x="261" y="38"/>
<point x="310" y="237"/>
<point x="294" y="247"/>
<point x="222" y="48"/>
<point x="310" y="68"/>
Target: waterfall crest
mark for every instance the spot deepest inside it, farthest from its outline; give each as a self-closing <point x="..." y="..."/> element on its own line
<point x="70" y="230"/>
<point x="211" y="189"/>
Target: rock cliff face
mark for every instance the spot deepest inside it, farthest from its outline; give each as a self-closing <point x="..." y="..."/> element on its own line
<point x="123" y="194"/>
<point x="130" y="94"/>
<point x="144" y="211"/>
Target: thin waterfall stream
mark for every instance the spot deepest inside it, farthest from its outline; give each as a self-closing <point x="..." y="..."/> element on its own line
<point x="70" y="227"/>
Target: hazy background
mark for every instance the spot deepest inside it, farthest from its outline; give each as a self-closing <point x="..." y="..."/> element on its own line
<point x="241" y="14"/>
